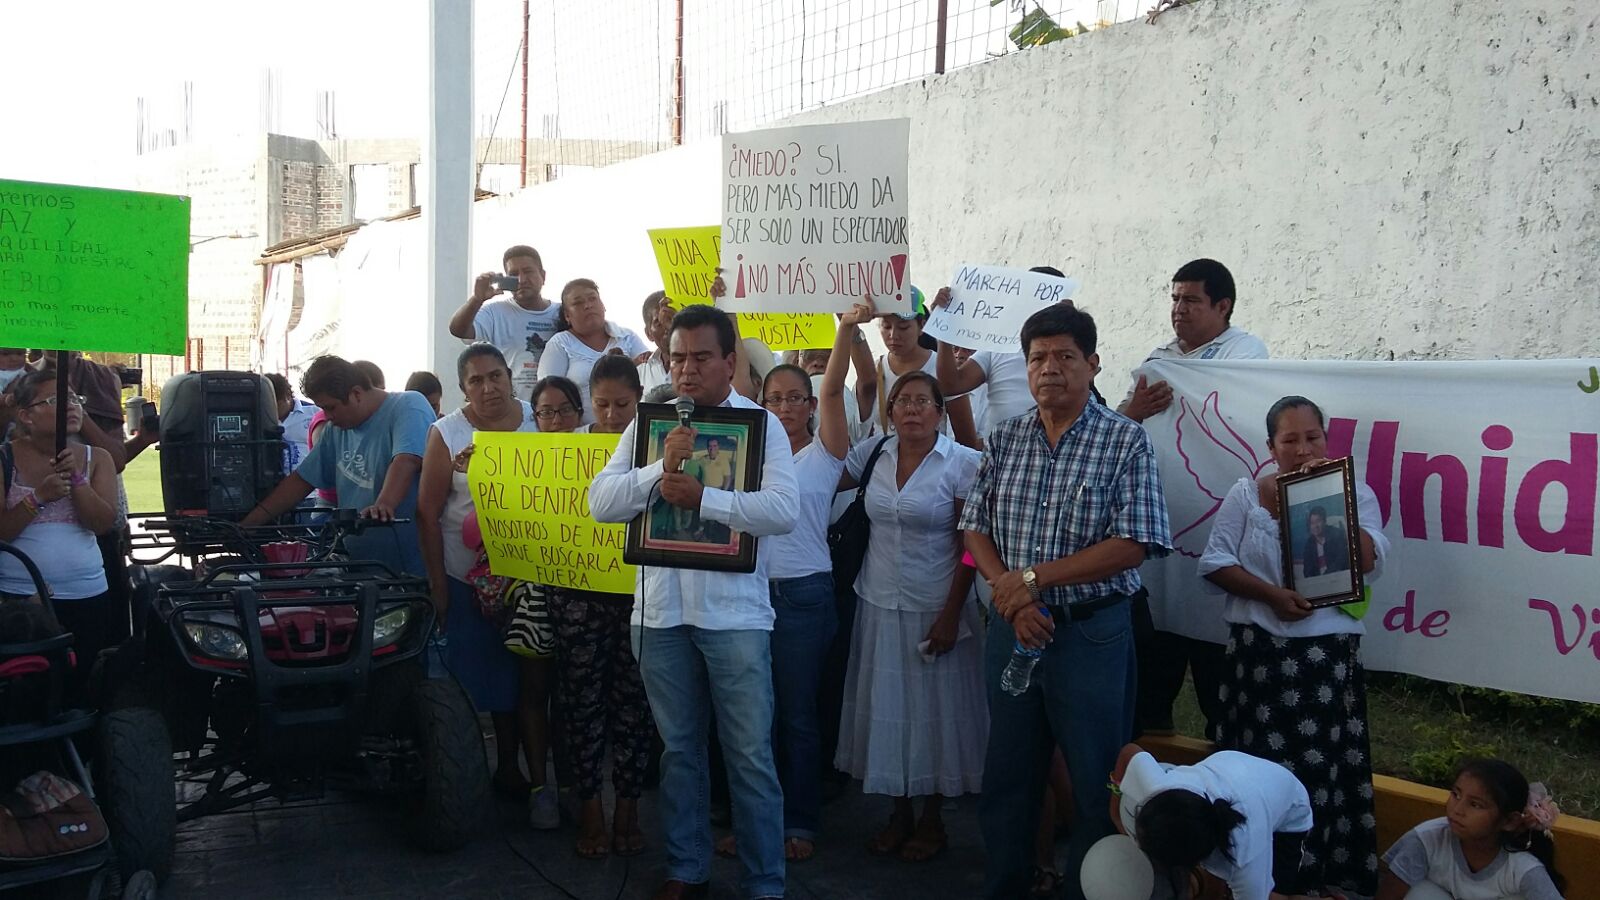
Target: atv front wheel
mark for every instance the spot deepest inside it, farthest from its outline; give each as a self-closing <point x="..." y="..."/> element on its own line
<point x="455" y="770"/>
<point x="134" y="775"/>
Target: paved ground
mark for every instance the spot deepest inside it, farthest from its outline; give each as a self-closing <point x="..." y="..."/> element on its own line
<point x="353" y="848"/>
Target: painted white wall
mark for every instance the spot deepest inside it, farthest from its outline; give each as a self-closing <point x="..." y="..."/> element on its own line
<point x="1385" y="178"/>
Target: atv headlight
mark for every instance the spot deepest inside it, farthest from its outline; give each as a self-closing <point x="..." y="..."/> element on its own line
<point x="216" y="641"/>
<point x="391" y="625"/>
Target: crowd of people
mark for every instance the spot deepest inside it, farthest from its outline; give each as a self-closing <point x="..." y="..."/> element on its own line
<point x="996" y="640"/>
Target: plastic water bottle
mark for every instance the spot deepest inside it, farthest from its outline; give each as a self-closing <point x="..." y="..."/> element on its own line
<point x="1015" y="679"/>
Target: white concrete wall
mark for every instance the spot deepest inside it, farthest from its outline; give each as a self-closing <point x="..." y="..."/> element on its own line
<point x="1401" y="179"/>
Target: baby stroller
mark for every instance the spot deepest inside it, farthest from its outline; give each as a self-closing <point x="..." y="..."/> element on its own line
<point x="51" y="831"/>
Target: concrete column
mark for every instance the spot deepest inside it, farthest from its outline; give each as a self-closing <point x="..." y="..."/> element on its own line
<point x="447" y="160"/>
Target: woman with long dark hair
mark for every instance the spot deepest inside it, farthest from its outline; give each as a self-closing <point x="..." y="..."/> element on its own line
<point x="55" y="506"/>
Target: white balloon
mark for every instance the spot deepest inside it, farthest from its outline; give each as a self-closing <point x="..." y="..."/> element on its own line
<point x="1116" y="869"/>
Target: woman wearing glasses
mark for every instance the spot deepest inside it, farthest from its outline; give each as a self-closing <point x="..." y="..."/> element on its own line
<point x="915" y="720"/>
<point x="475" y="652"/>
<point x="582" y="337"/>
<point x="55" y="505"/>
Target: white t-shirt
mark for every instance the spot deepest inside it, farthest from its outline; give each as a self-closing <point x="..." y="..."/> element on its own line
<point x="297" y="435"/>
<point x="521" y="334"/>
<point x="1430" y="853"/>
<point x="1005" y="387"/>
<point x="1269" y="797"/>
<point x="1234" y="343"/>
<point x="915" y="546"/>
<point x="804" y="551"/>
<point x="1244" y="534"/>
<point x="653" y="372"/>
<point x="566" y="354"/>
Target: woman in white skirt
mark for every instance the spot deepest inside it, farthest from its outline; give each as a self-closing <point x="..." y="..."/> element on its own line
<point x="915" y="718"/>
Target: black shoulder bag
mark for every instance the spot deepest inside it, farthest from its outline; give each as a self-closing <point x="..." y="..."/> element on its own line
<point x="847" y="538"/>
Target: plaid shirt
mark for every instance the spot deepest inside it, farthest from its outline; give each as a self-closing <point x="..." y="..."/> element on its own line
<point x="1040" y="503"/>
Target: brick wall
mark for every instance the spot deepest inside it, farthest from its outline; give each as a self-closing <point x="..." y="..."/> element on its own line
<point x="330" y="200"/>
<point x="298" y="201"/>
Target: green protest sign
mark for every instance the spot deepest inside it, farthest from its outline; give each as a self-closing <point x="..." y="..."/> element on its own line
<point x="93" y="269"/>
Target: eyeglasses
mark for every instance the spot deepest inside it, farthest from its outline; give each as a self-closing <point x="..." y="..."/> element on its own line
<point x="545" y="414"/>
<point x="914" y="404"/>
<point x="74" y="399"/>
<point x="775" y="401"/>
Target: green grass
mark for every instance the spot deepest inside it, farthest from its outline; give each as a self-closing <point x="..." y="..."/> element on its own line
<point x="1420" y="728"/>
<point x="142" y="480"/>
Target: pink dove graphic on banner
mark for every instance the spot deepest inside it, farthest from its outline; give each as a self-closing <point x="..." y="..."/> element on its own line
<point x="1215" y="454"/>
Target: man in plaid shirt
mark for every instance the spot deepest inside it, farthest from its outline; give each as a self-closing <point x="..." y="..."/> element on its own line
<point x="1066" y="506"/>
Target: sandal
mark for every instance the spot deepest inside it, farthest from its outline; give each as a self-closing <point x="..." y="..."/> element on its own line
<point x="629" y="843"/>
<point x="917" y="850"/>
<point x="591" y="846"/>
<point x="1047" y="882"/>
<point x="798" y="849"/>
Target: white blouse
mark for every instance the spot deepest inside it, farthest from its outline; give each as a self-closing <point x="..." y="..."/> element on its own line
<point x="567" y="355"/>
<point x="1245" y="534"/>
<point x="914" y="547"/>
<point x="804" y="551"/>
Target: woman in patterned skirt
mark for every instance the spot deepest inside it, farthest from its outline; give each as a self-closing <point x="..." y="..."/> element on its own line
<point x="599" y="690"/>
<point x="1293" y="688"/>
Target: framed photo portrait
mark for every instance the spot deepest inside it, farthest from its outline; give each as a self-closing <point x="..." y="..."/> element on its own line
<point x="1321" y="537"/>
<point x="729" y="447"/>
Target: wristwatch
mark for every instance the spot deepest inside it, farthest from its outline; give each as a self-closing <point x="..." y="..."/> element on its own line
<point x="1030" y="580"/>
<point x="860" y="338"/>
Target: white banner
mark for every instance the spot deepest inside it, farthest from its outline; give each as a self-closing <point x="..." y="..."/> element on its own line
<point x="813" y="217"/>
<point x="988" y="305"/>
<point x="1486" y="474"/>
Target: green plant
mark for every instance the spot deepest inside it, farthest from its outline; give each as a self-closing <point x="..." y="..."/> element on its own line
<point x="1037" y="26"/>
<point x="1445" y="752"/>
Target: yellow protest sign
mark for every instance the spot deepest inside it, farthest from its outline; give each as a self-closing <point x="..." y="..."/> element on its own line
<point x="531" y="492"/>
<point x="688" y="259"/>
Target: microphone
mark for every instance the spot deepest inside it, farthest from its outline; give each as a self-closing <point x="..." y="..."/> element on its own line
<point x="685" y="408"/>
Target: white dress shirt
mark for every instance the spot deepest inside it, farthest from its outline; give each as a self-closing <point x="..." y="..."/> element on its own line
<point x="717" y="601"/>
<point x="914" y="546"/>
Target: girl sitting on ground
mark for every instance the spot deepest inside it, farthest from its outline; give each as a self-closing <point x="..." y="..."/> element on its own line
<point x="1493" y="842"/>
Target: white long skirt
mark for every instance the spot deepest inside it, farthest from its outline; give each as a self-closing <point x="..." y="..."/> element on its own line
<point x="911" y="728"/>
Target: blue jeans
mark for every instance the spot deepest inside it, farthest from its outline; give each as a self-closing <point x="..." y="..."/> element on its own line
<point x="1081" y="699"/>
<point x="800" y="639"/>
<point x="687" y="671"/>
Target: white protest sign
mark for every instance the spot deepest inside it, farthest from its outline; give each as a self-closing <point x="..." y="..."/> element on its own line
<point x="814" y="217"/>
<point x="1485" y="473"/>
<point x="988" y="305"/>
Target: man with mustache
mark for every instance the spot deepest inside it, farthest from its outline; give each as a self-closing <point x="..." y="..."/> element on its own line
<point x="1202" y="312"/>
<point x="1066" y="505"/>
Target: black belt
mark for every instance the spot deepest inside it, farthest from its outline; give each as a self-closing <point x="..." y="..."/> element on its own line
<point x="1083" y="609"/>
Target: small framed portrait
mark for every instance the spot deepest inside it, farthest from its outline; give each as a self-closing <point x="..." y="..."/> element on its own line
<point x="729" y="447"/>
<point x="1321" y="537"/>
